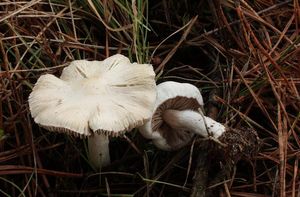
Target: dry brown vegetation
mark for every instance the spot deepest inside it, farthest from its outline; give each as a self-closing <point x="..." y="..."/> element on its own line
<point x="246" y="52"/>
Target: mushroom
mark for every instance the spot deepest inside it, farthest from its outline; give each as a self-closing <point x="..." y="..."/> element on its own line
<point x="97" y="99"/>
<point x="176" y="117"/>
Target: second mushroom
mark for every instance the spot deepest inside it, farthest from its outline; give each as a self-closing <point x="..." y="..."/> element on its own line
<point x="176" y="117"/>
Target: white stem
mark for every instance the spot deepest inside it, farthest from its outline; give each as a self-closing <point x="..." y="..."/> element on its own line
<point x="99" y="150"/>
<point x="194" y="122"/>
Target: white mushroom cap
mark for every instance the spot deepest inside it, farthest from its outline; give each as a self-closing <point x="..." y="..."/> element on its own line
<point x="110" y="96"/>
<point x="177" y="96"/>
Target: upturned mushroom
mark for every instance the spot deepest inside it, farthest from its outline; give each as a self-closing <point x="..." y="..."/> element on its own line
<point x="97" y="99"/>
<point x="177" y="117"/>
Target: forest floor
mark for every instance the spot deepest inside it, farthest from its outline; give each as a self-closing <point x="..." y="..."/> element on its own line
<point x="245" y="51"/>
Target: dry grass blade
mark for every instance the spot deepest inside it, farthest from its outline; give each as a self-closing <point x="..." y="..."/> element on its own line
<point x="172" y="52"/>
<point x="24" y="7"/>
<point x="10" y="169"/>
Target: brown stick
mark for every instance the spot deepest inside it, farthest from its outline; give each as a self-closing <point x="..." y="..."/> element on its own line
<point x="200" y="179"/>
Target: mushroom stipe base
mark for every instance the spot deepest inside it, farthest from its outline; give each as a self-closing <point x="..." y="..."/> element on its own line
<point x="234" y="145"/>
<point x="240" y="143"/>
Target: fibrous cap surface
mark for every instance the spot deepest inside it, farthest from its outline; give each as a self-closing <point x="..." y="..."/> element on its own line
<point x="110" y="96"/>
